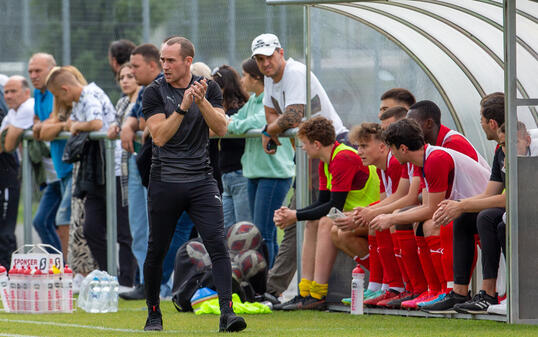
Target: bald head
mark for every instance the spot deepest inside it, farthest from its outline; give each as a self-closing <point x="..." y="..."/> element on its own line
<point x="16" y="91"/>
<point x="39" y="66"/>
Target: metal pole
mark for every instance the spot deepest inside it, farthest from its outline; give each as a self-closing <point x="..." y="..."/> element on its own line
<point x="231" y="32"/>
<point x="283" y="27"/>
<point x="195" y="23"/>
<point x="27" y="193"/>
<point x="111" y="220"/>
<point x="268" y="19"/>
<point x="66" y="36"/>
<point x="145" y="20"/>
<point x="302" y="169"/>
<point x="510" y="97"/>
<point x="26" y="23"/>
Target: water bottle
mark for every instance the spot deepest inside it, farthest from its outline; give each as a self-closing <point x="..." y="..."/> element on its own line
<point x="26" y="279"/>
<point x="4" y="288"/>
<point x="95" y="295"/>
<point x="105" y="291"/>
<point x="13" y="279"/>
<point x="357" y="291"/>
<point x="113" y="297"/>
<point x="39" y="291"/>
<point x="67" y="290"/>
<point x="51" y="302"/>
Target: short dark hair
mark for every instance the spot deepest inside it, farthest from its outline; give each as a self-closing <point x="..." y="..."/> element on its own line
<point x="406" y="132"/>
<point x="121" y="50"/>
<point x="149" y="52"/>
<point x="251" y="67"/>
<point x="400" y="95"/>
<point x="426" y="110"/>
<point x="492" y="107"/>
<point x="318" y="128"/>
<point x="398" y="112"/>
<point x="187" y="48"/>
<point x="521" y="128"/>
<point x="364" y="132"/>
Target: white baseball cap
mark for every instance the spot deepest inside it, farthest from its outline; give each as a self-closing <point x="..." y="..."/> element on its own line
<point x="265" y="44"/>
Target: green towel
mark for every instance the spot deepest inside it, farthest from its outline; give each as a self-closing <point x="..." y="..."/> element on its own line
<point x="212" y="307"/>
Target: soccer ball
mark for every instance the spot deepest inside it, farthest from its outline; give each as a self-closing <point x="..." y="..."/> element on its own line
<point x="198" y="254"/>
<point x="237" y="274"/>
<point x="251" y="262"/>
<point x="243" y="236"/>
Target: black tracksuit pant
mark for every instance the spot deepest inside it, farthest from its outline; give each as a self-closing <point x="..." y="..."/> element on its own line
<point x="485" y="223"/>
<point x="202" y="201"/>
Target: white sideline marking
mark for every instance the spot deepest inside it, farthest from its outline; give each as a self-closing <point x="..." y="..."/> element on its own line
<point x="11" y="335"/>
<point x="71" y="325"/>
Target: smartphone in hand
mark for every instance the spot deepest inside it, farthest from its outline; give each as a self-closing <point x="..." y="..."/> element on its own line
<point x="271" y="145"/>
<point x="335" y="213"/>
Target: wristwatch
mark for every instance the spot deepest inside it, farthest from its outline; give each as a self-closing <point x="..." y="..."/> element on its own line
<point x="180" y="111"/>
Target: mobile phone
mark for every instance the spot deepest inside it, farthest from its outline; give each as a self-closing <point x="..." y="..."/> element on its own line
<point x="271" y="145"/>
<point x="335" y="213"/>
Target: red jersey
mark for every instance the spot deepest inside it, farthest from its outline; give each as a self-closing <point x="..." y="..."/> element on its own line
<point x="390" y="177"/>
<point x="456" y="142"/>
<point x="439" y="172"/>
<point x="348" y="172"/>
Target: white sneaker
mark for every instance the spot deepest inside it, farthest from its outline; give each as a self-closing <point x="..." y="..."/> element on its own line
<point x="77" y="281"/>
<point x="123" y="289"/>
<point x="498" y="309"/>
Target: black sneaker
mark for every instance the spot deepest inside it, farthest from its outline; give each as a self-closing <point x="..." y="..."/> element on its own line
<point x="231" y="323"/>
<point x="293" y="301"/>
<point x="446" y="305"/>
<point x="137" y="293"/>
<point x="312" y="303"/>
<point x="155" y="319"/>
<point x="478" y="305"/>
<point x="397" y="302"/>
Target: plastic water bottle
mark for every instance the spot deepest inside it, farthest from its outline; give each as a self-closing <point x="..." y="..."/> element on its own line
<point x="4" y="288"/>
<point x="39" y="291"/>
<point x="26" y="279"/>
<point x="357" y="291"/>
<point x="51" y="301"/>
<point x="13" y="280"/>
<point x="105" y="291"/>
<point x="95" y="295"/>
<point x="113" y="294"/>
<point x="67" y="290"/>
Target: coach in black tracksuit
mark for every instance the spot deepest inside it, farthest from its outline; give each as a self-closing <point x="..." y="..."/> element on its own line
<point x="180" y="109"/>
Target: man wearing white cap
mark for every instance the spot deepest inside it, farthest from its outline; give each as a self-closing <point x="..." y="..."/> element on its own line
<point x="285" y="101"/>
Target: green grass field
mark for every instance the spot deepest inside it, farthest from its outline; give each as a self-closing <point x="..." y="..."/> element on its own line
<point x="130" y="318"/>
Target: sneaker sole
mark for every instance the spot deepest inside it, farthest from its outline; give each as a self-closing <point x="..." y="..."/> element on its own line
<point x="448" y="311"/>
<point x="473" y="312"/>
<point x="153" y="328"/>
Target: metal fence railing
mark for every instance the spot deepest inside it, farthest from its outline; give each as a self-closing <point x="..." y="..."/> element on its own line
<point x="302" y="177"/>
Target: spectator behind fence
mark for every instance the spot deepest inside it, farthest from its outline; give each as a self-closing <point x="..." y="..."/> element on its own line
<point x="180" y="109"/>
<point x="92" y="111"/>
<point x="119" y="52"/>
<point x="19" y="118"/>
<point x="79" y="256"/>
<point x="345" y="183"/>
<point x="269" y="176"/>
<point x="285" y="101"/>
<point x="396" y="97"/>
<point x="235" y="202"/>
<point x="53" y="215"/>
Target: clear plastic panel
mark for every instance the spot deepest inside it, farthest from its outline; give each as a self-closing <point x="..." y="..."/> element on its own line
<point x="460" y="91"/>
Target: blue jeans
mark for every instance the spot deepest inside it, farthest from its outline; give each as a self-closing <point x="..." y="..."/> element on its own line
<point x="138" y="215"/>
<point x="63" y="216"/>
<point x="235" y="202"/>
<point x="45" y="217"/>
<point x="181" y="235"/>
<point x="266" y="195"/>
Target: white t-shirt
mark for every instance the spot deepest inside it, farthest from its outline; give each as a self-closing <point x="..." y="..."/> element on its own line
<point x="22" y="118"/>
<point x="291" y="89"/>
<point x="94" y="104"/>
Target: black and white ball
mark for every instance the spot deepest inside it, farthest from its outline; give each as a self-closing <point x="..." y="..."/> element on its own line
<point x="242" y="236"/>
<point x="251" y="262"/>
<point x="198" y="254"/>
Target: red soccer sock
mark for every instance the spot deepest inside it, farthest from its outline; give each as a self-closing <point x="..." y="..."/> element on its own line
<point x="363" y="261"/>
<point x="399" y="260"/>
<point x="391" y="270"/>
<point x="447" y="239"/>
<point x="434" y="242"/>
<point x="427" y="265"/>
<point x="408" y="248"/>
<point x="376" y="268"/>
